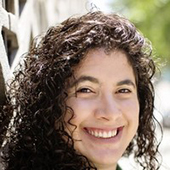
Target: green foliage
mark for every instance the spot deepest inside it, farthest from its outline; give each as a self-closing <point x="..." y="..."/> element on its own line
<point x="152" y="17"/>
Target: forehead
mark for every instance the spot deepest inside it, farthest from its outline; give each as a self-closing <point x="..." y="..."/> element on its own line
<point x="98" y="61"/>
<point x="97" y="56"/>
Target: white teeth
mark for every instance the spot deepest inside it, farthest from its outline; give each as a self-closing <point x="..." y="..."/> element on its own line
<point x="113" y="133"/>
<point x="103" y="134"/>
<point x="91" y="132"/>
<point x="100" y="134"/>
<point x="96" y="133"/>
<point x="110" y="134"/>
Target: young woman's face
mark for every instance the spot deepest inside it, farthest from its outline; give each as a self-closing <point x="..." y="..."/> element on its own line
<point x="106" y="107"/>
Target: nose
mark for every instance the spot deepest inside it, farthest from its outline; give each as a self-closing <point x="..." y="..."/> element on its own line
<point x="107" y="108"/>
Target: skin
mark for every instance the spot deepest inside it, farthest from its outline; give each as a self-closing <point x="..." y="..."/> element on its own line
<point x="106" y="107"/>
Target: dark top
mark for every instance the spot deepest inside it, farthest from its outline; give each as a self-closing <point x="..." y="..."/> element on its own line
<point x="118" y="168"/>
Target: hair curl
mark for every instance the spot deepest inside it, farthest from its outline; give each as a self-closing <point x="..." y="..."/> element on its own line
<point x="5" y="116"/>
<point x="39" y="90"/>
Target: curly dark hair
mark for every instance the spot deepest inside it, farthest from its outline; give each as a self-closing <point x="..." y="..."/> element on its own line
<point x="37" y="138"/>
<point x="5" y="116"/>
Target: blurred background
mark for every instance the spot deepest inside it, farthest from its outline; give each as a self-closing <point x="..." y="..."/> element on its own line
<point x="22" y="20"/>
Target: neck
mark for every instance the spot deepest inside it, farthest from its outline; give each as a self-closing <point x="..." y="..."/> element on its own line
<point x="106" y="167"/>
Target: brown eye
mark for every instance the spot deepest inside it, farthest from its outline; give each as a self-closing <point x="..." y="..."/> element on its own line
<point x="124" y="91"/>
<point x="84" y="90"/>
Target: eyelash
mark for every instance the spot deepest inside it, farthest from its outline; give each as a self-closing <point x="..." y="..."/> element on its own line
<point x="124" y="91"/>
<point x="84" y="90"/>
<point x="87" y="90"/>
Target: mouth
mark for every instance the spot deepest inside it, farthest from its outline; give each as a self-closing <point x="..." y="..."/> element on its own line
<point x="100" y="133"/>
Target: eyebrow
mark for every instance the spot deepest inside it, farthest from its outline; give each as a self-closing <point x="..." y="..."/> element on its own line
<point x="94" y="80"/>
<point x="126" y="82"/>
<point x="84" y="78"/>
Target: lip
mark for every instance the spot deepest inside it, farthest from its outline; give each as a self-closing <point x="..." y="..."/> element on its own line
<point x="113" y="139"/>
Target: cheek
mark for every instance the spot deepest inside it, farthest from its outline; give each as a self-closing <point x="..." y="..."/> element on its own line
<point x="131" y="110"/>
<point x="81" y="110"/>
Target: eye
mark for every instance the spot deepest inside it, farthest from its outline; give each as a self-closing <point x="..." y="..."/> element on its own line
<point x="124" y="91"/>
<point x="84" y="90"/>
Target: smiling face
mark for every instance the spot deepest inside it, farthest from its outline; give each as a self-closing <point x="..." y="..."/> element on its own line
<point x="106" y="108"/>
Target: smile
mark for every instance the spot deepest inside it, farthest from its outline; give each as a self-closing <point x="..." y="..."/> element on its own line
<point x="102" y="133"/>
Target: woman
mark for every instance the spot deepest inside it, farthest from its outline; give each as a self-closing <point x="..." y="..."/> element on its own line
<point x="83" y="97"/>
